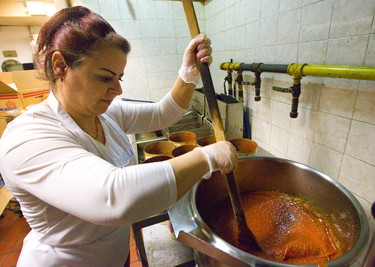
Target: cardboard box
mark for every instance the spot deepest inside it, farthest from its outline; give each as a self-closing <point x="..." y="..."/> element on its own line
<point x="19" y="89"/>
<point x="5" y="197"/>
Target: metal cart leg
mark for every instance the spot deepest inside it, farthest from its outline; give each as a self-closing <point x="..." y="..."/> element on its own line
<point x="137" y="232"/>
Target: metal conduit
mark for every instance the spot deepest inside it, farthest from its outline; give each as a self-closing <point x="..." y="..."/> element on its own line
<point x="298" y="71"/>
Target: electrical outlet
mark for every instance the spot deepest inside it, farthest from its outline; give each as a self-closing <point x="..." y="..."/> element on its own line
<point x="10" y="53"/>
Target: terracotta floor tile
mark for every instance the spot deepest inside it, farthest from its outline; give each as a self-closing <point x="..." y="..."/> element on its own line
<point x="12" y="259"/>
<point x="2" y="259"/>
<point x="133" y="253"/>
<point x="136" y="264"/>
<point x="6" y="245"/>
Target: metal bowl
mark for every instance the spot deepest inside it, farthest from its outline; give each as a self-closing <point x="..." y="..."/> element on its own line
<point x="268" y="173"/>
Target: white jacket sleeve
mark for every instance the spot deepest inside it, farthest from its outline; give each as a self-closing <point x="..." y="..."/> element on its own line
<point x="137" y="117"/>
<point x="54" y="168"/>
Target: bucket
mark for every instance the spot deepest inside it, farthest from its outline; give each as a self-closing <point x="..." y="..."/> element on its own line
<point x="183" y="138"/>
<point x="244" y="146"/>
<point x="207" y="140"/>
<point x="157" y="159"/>
<point x="159" y="148"/>
<point x="180" y="150"/>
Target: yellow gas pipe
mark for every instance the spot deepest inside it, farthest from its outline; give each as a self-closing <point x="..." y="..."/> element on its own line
<point x="346" y="72"/>
<point x="300" y="70"/>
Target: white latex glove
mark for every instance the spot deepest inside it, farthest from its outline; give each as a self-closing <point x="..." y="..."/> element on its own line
<point x="221" y="156"/>
<point x="198" y="49"/>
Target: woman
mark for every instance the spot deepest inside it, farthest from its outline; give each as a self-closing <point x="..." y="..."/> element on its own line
<point x="68" y="160"/>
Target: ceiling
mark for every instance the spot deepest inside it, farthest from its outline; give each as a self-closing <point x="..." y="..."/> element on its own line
<point x="15" y="13"/>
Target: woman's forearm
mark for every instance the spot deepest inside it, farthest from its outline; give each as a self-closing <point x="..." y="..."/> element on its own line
<point x="182" y="92"/>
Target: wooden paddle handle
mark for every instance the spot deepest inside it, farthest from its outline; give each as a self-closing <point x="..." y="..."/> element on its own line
<point x="209" y="90"/>
<point x="213" y="108"/>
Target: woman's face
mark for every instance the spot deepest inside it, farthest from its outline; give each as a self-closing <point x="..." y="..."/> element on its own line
<point x="89" y="89"/>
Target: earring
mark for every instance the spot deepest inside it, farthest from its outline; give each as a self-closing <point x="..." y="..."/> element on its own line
<point x="61" y="79"/>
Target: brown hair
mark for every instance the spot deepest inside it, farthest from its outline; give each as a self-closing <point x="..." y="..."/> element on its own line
<point x="75" y="32"/>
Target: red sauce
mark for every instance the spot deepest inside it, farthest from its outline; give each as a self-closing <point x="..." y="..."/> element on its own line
<point x="288" y="229"/>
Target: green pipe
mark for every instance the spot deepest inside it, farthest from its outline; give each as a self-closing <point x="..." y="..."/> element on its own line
<point x="346" y="72"/>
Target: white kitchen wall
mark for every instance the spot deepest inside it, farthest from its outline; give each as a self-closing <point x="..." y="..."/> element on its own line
<point x="335" y="128"/>
<point x="16" y="38"/>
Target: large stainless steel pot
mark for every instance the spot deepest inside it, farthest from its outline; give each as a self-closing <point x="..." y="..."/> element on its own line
<point x="267" y="173"/>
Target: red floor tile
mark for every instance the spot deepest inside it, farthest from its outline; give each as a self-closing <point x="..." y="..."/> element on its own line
<point x="136" y="264"/>
<point x="12" y="258"/>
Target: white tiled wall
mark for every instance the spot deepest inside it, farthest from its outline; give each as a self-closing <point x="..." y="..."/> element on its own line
<point x="335" y="128"/>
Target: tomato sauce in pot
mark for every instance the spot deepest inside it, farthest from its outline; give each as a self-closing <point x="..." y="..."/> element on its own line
<point x="288" y="228"/>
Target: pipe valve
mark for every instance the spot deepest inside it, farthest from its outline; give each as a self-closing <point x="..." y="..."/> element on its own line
<point x="295" y="90"/>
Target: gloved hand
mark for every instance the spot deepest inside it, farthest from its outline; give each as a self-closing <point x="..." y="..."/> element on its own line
<point x="198" y="49"/>
<point x="220" y="156"/>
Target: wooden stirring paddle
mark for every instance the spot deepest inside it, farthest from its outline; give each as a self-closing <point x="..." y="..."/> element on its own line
<point x="245" y="236"/>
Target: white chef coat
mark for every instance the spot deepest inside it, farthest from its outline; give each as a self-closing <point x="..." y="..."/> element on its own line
<point x="79" y="195"/>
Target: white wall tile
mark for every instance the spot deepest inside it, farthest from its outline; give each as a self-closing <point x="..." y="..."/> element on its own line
<point x="146" y="9"/>
<point x="168" y="46"/>
<point x="240" y="13"/>
<point x="210" y="9"/>
<point x="307" y="2"/>
<point x="149" y="28"/>
<point x="358" y="24"/>
<point x="338" y="97"/>
<point x="326" y="160"/>
<point x="304" y="125"/>
<point x="315" y="21"/>
<point x="117" y="26"/>
<point x="370" y="54"/>
<point x="361" y="143"/>
<point x="262" y="110"/>
<point x="311" y="88"/>
<point x="268" y="30"/>
<point x="268" y="8"/>
<point x="131" y="29"/>
<point x="261" y="130"/>
<point x="252" y="34"/>
<point x="358" y="177"/>
<point x="165" y="28"/>
<point x="228" y="15"/>
<point x="280" y="115"/>
<point x="181" y="29"/>
<point x="164" y="9"/>
<point x="332" y="131"/>
<point x="289" y="26"/>
<point x="137" y="49"/>
<point x="313" y="53"/>
<point x="151" y="46"/>
<point x="267" y="54"/>
<point x="109" y="9"/>
<point x="92" y="4"/>
<point x="286" y="5"/>
<point x="354" y="49"/>
<point x="128" y="9"/>
<point x="252" y="11"/>
<point x="279" y="140"/>
<point x="299" y="149"/>
<point x="286" y="54"/>
<point x="365" y="105"/>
